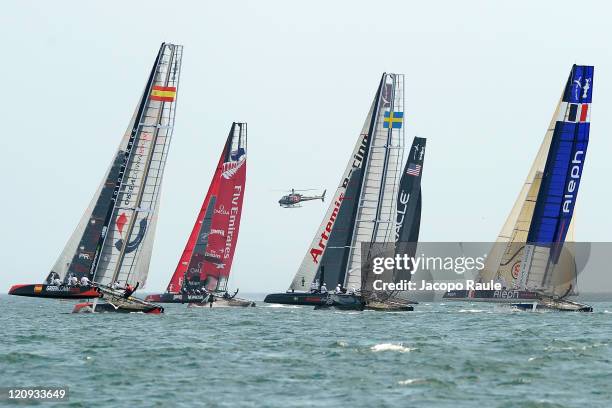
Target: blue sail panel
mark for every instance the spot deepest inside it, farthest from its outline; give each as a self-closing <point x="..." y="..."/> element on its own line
<point x="561" y="179"/>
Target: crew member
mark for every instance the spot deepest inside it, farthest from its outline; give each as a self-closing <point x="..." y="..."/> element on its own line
<point x="85" y="281"/>
<point x="73" y="281"/>
<point x="211" y="299"/>
<point x="129" y="289"/>
<point x="338" y="289"/>
<point x="313" y="287"/>
<point x="323" y="288"/>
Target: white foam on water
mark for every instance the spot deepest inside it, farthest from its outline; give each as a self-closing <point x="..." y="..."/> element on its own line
<point x="276" y="305"/>
<point x="410" y="381"/>
<point x="390" y="347"/>
<point x="471" y="311"/>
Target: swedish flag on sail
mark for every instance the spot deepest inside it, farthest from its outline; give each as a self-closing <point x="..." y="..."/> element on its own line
<point x="395" y="119"/>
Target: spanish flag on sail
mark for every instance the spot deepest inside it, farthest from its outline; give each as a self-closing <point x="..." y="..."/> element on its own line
<point x="163" y="93"/>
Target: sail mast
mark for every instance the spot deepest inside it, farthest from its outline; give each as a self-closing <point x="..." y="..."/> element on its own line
<point x="381" y="178"/>
<point x="141" y="189"/>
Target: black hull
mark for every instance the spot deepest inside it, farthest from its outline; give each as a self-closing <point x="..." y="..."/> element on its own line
<point x="54" y="291"/>
<point x="318" y="300"/>
<point x="496" y="296"/>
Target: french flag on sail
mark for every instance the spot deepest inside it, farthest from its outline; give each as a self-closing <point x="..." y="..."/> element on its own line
<point x="413" y="169"/>
<point x="578" y="112"/>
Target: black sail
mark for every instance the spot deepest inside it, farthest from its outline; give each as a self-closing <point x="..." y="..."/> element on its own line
<point x="409" y="202"/>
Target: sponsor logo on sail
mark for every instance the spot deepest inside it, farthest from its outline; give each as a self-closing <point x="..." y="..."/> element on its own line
<point x="572" y="185"/>
<point x="231" y="168"/>
<point x="221" y="210"/>
<point x="403" y="199"/>
<point x="579" y="87"/>
<point x="131" y="246"/>
<point x="217" y="232"/>
<point x="316" y="252"/>
<point x="357" y="158"/>
<point x="234" y="212"/>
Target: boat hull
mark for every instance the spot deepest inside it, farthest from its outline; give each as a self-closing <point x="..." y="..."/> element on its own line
<point x="89" y="307"/>
<point x="318" y="300"/>
<point x="220" y="302"/>
<point x="557" y="305"/>
<point x="198" y="299"/>
<point x="54" y="291"/>
<point x="496" y="296"/>
<point x="174" y="298"/>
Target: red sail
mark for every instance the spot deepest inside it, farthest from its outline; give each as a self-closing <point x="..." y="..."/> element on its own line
<point x="225" y="225"/>
<point x="207" y="257"/>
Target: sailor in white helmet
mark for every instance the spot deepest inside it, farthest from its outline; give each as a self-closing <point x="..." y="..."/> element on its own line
<point x="85" y="281"/>
<point x="323" y="288"/>
<point x="314" y="286"/>
<point x="338" y="289"/>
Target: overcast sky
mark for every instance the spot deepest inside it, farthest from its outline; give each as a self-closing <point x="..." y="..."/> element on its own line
<point x="482" y="81"/>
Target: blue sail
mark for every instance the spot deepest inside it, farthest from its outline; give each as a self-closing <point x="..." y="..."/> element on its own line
<point x="563" y="171"/>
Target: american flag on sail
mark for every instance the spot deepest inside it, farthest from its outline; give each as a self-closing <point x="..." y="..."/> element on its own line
<point x="413" y="169"/>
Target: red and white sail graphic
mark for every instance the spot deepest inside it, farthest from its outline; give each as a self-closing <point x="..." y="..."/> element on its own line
<point x="208" y="254"/>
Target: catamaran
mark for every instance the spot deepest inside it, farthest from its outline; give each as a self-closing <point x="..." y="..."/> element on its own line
<point x="375" y="204"/>
<point x="203" y="270"/>
<point x="533" y="255"/>
<point x="111" y="245"/>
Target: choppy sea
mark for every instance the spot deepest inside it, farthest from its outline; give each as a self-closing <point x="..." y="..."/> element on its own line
<point x="440" y="355"/>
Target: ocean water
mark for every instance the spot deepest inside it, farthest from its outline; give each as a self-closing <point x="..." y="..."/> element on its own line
<point x="440" y="355"/>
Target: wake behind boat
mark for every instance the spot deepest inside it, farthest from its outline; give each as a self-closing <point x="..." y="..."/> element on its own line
<point x="204" y="267"/>
<point x="375" y="204"/>
<point x="114" y="238"/>
<point x="533" y="258"/>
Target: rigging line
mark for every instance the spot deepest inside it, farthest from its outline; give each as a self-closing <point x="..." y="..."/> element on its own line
<point x="143" y="182"/>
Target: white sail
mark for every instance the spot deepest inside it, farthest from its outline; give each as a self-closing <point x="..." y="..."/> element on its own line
<point x="127" y="245"/>
<point x="308" y="268"/>
<point x="376" y="215"/>
<point x="513" y="235"/>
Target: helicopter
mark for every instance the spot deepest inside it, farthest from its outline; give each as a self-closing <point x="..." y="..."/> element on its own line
<point x="292" y="199"/>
